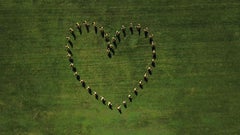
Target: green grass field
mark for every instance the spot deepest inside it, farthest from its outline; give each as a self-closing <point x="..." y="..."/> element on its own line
<point x="194" y="88"/>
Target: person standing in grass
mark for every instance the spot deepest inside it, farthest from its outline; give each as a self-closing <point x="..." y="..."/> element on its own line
<point x="95" y="27"/>
<point x="131" y="28"/>
<point x="103" y="100"/>
<point x="69" y="41"/>
<point x="145" y="77"/>
<point x="68" y="50"/>
<point x="153" y="46"/>
<point x="74" y="69"/>
<point x="107" y="38"/>
<point x="72" y="33"/>
<point x="96" y="95"/>
<point x="118" y="36"/>
<point x="110" y="105"/>
<point x="153" y="63"/>
<point x="83" y="83"/>
<point x="109" y="53"/>
<point x="149" y="70"/>
<point x="89" y="90"/>
<point x="79" y="28"/>
<point x="125" y="104"/>
<point x="151" y="38"/>
<point x="154" y="56"/>
<point x="130" y="98"/>
<point x="146" y="32"/>
<point x="70" y="58"/>
<point x="135" y="91"/>
<point x="111" y="48"/>
<point x="87" y="25"/>
<point x="114" y="41"/>
<point x="77" y="75"/>
<point x="102" y="31"/>
<point x="138" y="27"/>
<point x="140" y="84"/>
<point x="119" y="109"/>
<point x="123" y="30"/>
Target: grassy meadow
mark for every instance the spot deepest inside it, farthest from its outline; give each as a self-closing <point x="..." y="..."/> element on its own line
<point x="194" y="89"/>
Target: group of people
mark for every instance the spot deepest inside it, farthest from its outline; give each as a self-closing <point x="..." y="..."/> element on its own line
<point x="111" y="45"/>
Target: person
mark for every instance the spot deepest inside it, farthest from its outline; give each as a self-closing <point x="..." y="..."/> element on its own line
<point x="110" y="105"/>
<point x="130" y="98"/>
<point x="96" y="95"/>
<point x="123" y="30"/>
<point x="74" y="69"/>
<point x="95" y="27"/>
<point x="140" y="84"/>
<point x="83" y="83"/>
<point x="118" y="36"/>
<point x="87" y="25"/>
<point x="79" y="28"/>
<point x="149" y="70"/>
<point x="69" y="41"/>
<point x="68" y="50"/>
<point x="119" y="109"/>
<point x="131" y="28"/>
<point x="106" y="36"/>
<point x="89" y="90"/>
<point x="102" y="31"/>
<point x="145" y="77"/>
<point x="109" y="53"/>
<point x="70" y="59"/>
<point x="72" y="33"/>
<point x="114" y="41"/>
<point x="153" y="63"/>
<point x="77" y="75"/>
<point x="125" y="104"/>
<point x="153" y="46"/>
<point x="146" y="32"/>
<point x="154" y="54"/>
<point x="135" y="91"/>
<point x="138" y="27"/>
<point x="151" y="38"/>
<point x="103" y="100"/>
<point x="110" y="47"/>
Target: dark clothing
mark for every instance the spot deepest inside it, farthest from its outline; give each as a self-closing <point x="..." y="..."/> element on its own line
<point x="79" y="29"/>
<point x="150" y="71"/>
<point x="95" y="29"/>
<point x="70" y="60"/>
<point x="153" y="63"/>
<point x="73" y="34"/>
<point x="78" y="77"/>
<point x="90" y="91"/>
<point x="70" y="42"/>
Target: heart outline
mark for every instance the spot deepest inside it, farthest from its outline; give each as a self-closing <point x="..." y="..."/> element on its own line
<point x="110" y="52"/>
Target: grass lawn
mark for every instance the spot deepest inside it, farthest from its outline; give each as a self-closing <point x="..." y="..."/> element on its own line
<point x="194" y="88"/>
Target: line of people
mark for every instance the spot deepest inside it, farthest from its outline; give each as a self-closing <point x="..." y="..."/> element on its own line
<point x="68" y="47"/>
<point x="148" y="72"/>
<point x="111" y="45"/>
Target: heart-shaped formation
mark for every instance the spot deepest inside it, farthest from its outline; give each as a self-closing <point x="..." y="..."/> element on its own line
<point x="111" y="44"/>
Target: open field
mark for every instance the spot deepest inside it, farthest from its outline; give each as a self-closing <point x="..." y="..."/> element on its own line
<point x="193" y="90"/>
